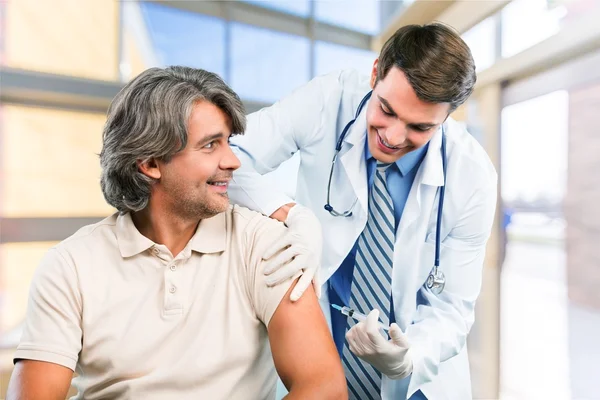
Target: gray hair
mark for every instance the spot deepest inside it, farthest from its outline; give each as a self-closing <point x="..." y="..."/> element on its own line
<point x="148" y="119"/>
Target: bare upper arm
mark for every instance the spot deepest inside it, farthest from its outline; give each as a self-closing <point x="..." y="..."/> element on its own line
<point x="39" y="380"/>
<point x="303" y="350"/>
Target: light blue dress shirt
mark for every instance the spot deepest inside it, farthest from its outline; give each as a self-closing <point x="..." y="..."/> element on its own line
<point x="399" y="177"/>
<point x="399" y="180"/>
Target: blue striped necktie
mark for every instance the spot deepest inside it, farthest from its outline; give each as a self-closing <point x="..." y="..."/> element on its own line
<point x="371" y="282"/>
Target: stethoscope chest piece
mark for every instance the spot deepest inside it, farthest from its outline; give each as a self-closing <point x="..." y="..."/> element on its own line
<point x="436" y="281"/>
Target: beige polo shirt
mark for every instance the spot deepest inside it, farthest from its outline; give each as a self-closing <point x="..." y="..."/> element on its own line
<point x="137" y="323"/>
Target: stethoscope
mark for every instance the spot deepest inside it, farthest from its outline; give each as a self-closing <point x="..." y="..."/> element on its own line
<point x="436" y="280"/>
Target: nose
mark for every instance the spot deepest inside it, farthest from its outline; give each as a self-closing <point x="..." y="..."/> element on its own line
<point x="395" y="135"/>
<point x="230" y="160"/>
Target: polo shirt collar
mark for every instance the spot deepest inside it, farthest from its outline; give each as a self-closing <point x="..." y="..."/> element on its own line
<point x="210" y="236"/>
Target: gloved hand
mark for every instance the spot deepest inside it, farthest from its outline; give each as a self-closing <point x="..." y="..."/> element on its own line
<point x="300" y="250"/>
<point x="390" y="357"/>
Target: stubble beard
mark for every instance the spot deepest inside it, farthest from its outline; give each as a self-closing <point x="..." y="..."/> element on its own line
<point x="196" y="203"/>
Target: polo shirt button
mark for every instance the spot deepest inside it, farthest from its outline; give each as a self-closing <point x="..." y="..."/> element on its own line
<point x="173" y="289"/>
<point x="172" y="267"/>
<point x="155" y="251"/>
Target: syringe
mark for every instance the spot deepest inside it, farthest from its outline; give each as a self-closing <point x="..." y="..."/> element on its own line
<point x="356" y="315"/>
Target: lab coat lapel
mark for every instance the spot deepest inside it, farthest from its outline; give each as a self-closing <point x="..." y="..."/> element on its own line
<point x="431" y="173"/>
<point x="354" y="162"/>
<point x="410" y="237"/>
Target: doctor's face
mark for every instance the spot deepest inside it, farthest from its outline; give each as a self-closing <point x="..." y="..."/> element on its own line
<point x="398" y="122"/>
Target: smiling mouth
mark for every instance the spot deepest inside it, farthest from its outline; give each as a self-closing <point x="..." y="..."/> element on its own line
<point x="222" y="182"/>
<point x="387" y="145"/>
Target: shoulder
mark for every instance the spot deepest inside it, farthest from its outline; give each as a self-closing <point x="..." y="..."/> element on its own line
<point x="89" y="236"/>
<point x="253" y="225"/>
<point x="468" y="157"/>
<point x="350" y="83"/>
<point x="63" y="262"/>
<point x="347" y="84"/>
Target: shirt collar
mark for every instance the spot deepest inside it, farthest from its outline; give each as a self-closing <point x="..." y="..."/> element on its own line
<point x="210" y="236"/>
<point x="407" y="162"/>
<point x="129" y="239"/>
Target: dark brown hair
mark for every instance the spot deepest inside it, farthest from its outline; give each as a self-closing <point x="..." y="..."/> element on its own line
<point x="436" y="61"/>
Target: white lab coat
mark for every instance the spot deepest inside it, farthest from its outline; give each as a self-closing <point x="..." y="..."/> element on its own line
<point x="309" y="121"/>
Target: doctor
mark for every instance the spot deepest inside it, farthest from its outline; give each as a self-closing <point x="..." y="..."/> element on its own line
<point x="395" y="152"/>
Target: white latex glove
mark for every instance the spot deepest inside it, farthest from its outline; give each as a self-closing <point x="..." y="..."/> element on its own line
<point x="299" y="250"/>
<point x="390" y="357"/>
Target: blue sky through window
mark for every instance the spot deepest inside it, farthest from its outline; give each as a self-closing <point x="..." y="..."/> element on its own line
<point x="360" y="15"/>
<point x="262" y="65"/>
<point x="266" y="65"/>
<point x="184" y="38"/>
<point x="331" y="57"/>
<point x="297" y="7"/>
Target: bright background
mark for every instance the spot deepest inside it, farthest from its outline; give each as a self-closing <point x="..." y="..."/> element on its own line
<point x="534" y="111"/>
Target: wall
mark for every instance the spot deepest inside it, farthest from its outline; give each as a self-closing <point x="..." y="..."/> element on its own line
<point x="581" y="204"/>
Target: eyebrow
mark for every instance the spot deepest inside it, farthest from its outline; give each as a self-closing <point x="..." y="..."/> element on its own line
<point x="210" y="138"/>
<point x="420" y="125"/>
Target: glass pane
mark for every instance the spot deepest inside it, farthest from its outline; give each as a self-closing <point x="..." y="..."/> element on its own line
<point x="360" y="15"/>
<point x="331" y="57"/>
<point x="68" y="37"/>
<point x="53" y="154"/>
<point x="185" y="38"/>
<point x="389" y="10"/>
<point x="528" y="22"/>
<point x="266" y="65"/>
<point x="138" y="53"/>
<point x="297" y="7"/>
<point x="481" y="39"/>
<point x="536" y="313"/>
<point x="534" y="149"/>
<point x="577" y="8"/>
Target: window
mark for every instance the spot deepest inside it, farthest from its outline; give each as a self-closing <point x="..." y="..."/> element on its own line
<point x="481" y="39"/>
<point x="360" y="15"/>
<point x="535" y="129"/>
<point x="389" y="10"/>
<point x="331" y="57"/>
<point x="297" y="7"/>
<point x="138" y="52"/>
<point x="76" y="38"/>
<point x="53" y="154"/>
<point x="184" y="38"/>
<point x="528" y="22"/>
<point x="267" y="65"/>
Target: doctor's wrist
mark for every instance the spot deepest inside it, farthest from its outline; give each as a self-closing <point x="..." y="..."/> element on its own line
<point x="282" y="212"/>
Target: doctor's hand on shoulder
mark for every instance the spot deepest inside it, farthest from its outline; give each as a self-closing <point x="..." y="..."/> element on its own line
<point x="390" y="357"/>
<point x="299" y="250"/>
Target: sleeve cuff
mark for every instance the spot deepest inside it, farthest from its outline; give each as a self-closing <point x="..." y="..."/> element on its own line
<point x="420" y="375"/>
<point x="276" y="203"/>
<point x="46" y="356"/>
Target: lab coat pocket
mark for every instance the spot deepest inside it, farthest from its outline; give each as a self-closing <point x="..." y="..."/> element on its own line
<point x="427" y="257"/>
<point x="451" y="242"/>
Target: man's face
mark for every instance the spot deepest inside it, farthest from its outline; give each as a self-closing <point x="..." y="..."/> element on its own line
<point x="398" y="122"/>
<point x="194" y="182"/>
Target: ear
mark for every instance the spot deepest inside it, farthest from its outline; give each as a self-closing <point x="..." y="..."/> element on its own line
<point x="149" y="168"/>
<point x="374" y="73"/>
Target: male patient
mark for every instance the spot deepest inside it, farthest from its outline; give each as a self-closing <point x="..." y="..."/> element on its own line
<point x="167" y="298"/>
